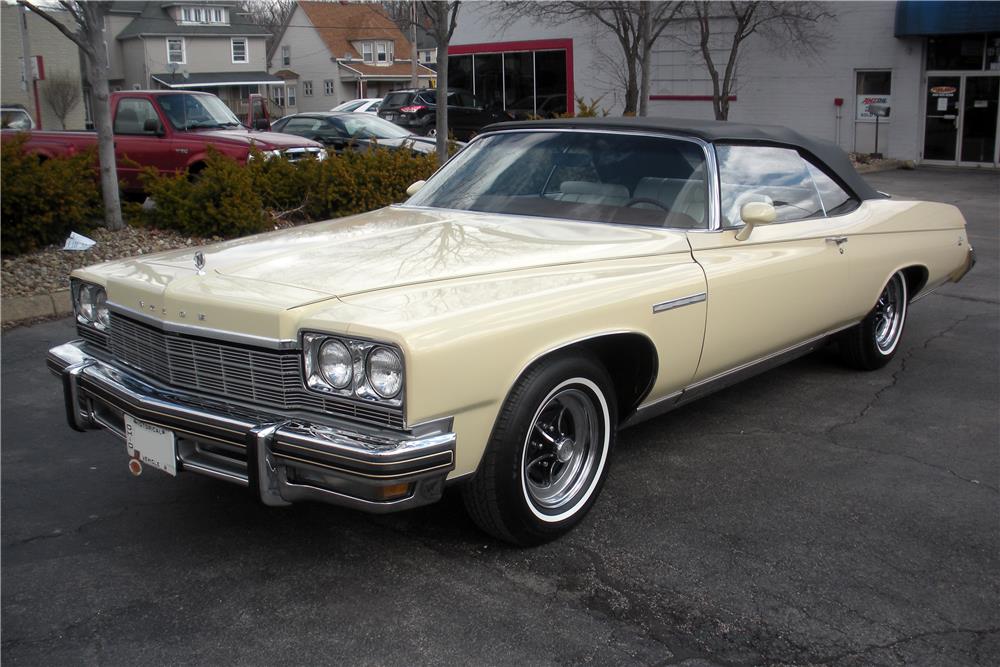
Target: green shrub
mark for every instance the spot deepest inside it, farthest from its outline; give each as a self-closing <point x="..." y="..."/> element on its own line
<point x="44" y="200"/>
<point x="227" y="199"/>
<point x="220" y="201"/>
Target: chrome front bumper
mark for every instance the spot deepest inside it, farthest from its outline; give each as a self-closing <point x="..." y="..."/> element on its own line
<point x="281" y="460"/>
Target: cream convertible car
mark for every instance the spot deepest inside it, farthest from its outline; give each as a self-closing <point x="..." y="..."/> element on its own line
<point x="554" y="282"/>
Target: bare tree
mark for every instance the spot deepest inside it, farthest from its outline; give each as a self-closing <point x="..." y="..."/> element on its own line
<point x="636" y="25"/>
<point x="62" y="93"/>
<point x="791" y="26"/>
<point x="87" y="33"/>
<point x="442" y="17"/>
<point x="270" y="14"/>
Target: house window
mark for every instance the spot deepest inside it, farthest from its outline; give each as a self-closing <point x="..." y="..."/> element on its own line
<point x="380" y="51"/>
<point x="328" y="87"/>
<point x="204" y="15"/>
<point x="175" y="50"/>
<point x="307" y="88"/>
<point x="286" y="55"/>
<point x="240" y="50"/>
<point x="366" y="52"/>
<point x="278" y="95"/>
<point x="291" y="96"/>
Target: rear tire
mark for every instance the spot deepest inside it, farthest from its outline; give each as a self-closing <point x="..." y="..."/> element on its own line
<point x="547" y="457"/>
<point x="872" y="343"/>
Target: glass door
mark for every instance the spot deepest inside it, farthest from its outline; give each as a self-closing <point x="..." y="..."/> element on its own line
<point x="941" y="127"/>
<point x="979" y="119"/>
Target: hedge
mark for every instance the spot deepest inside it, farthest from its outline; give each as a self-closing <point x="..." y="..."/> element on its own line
<point x="44" y="200"/>
<point x="227" y="199"/>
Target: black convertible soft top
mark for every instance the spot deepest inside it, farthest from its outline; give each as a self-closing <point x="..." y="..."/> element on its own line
<point x="829" y="154"/>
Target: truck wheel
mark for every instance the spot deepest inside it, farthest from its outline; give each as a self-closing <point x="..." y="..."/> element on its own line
<point x="872" y="342"/>
<point x="548" y="455"/>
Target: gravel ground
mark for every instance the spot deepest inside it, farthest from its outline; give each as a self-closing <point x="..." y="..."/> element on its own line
<point x="48" y="270"/>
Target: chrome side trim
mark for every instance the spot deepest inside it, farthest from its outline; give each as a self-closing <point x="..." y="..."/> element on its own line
<point x="727" y="378"/>
<point x="750" y="368"/>
<point x="206" y="332"/>
<point x="677" y="303"/>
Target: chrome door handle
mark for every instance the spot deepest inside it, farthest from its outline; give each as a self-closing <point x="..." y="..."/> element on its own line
<point x="839" y="240"/>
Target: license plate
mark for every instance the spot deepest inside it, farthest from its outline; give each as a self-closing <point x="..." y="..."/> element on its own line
<point x="390" y="116"/>
<point x="151" y="445"/>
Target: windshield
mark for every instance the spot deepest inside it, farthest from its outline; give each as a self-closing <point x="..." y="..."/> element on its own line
<point x="15" y="119"/>
<point x="583" y="175"/>
<point x="190" y="112"/>
<point x="368" y="127"/>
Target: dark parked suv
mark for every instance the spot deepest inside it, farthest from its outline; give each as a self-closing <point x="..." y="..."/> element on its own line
<point x="415" y="110"/>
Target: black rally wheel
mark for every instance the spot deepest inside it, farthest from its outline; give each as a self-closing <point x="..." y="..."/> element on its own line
<point x="872" y="343"/>
<point x="548" y="455"/>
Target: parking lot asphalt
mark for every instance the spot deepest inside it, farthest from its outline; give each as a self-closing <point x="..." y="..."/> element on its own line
<point x="812" y="515"/>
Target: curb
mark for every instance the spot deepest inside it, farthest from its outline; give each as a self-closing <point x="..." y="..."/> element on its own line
<point x="16" y="309"/>
<point x="888" y="165"/>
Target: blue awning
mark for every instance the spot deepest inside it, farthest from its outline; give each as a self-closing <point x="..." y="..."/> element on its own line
<point x="945" y="17"/>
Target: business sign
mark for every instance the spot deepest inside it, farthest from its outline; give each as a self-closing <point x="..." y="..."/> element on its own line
<point x="865" y="100"/>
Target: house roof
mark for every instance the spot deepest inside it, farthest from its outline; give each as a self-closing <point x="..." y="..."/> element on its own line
<point x="154" y="20"/>
<point x="340" y="23"/>
<point x="206" y="79"/>
<point x="398" y="70"/>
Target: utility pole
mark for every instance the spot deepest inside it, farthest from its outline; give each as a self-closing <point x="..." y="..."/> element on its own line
<point x="414" y="80"/>
<point x="28" y="83"/>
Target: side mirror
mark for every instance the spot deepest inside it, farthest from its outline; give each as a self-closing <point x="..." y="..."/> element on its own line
<point x="414" y="188"/>
<point x="754" y="213"/>
<point x="152" y="126"/>
<point x="261" y="124"/>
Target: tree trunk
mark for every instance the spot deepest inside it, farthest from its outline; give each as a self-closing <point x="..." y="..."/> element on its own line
<point x="645" y="34"/>
<point x="631" y="88"/>
<point x="441" y="115"/>
<point x="100" y="107"/>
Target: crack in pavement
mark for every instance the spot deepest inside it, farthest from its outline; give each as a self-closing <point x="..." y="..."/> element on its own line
<point x="830" y="433"/>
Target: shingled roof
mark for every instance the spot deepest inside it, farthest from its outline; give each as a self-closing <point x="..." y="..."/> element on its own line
<point x="154" y="20"/>
<point x="340" y="23"/>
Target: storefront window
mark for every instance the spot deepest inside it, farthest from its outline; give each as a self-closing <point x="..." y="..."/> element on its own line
<point x="964" y="52"/>
<point x="460" y="72"/>
<point x="874" y="87"/>
<point x="489" y="79"/>
<point x="550" y="82"/>
<point x="526" y="83"/>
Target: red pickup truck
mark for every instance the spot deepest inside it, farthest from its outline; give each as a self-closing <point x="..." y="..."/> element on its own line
<point x="172" y="130"/>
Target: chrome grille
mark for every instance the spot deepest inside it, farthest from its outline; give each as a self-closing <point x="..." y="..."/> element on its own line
<point x="268" y="378"/>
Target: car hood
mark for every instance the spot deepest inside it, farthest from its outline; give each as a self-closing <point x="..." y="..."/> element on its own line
<point x="405" y="246"/>
<point x="263" y="140"/>
<point x="248" y="283"/>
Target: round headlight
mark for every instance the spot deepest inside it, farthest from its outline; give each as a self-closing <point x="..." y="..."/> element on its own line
<point x="385" y="372"/>
<point x="102" y="316"/>
<point x="88" y="297"/>
<point x="335" y="364"/>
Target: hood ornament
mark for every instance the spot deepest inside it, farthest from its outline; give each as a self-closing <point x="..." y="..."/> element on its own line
<point x="199" y="262"/>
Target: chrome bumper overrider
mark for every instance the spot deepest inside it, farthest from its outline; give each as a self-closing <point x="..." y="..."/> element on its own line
<point x="281" y="459"/>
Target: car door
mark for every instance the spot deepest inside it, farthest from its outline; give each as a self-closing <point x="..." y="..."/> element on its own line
<point x="137" y="145"/>
<point x="787" y="283"/>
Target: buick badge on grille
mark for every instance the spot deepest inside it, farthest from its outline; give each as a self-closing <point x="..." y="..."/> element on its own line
<point x="199" y="262"/>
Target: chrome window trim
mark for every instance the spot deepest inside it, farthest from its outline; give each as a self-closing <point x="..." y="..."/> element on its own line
<point x="711" y="171"/>
<point x="206" y="332"/>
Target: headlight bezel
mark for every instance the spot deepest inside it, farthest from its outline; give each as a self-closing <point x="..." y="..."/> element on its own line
<point x="360" y="386"/>
<point x="90" y="304"/>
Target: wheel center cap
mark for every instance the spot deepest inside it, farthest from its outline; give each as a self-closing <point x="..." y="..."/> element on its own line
<point x="564" y="449"/>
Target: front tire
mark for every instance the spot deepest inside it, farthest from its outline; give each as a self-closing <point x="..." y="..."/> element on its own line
<point x="548" y="455"/>
<point x="872" y="343"/>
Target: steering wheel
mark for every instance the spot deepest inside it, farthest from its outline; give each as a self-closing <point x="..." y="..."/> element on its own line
<point x="647" y="200"/>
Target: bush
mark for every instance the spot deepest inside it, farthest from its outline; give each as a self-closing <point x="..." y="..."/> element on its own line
<point x="44" y="200"/>
<point x="227" y="199"/>
<point x="221" y="200"/>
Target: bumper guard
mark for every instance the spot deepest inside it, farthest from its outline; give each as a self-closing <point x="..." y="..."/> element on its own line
<point x="281" y="460"/>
